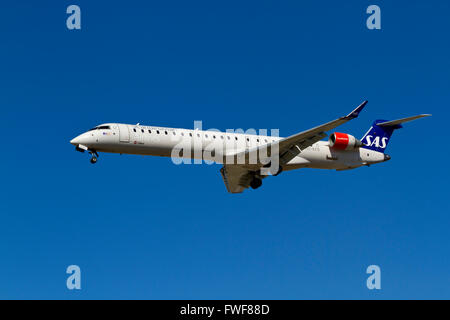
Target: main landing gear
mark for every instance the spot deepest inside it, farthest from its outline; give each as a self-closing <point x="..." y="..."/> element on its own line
<point x="256" y="183"/>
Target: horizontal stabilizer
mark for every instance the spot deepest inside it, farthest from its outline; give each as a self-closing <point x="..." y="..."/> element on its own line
<point x="399" y="121"/>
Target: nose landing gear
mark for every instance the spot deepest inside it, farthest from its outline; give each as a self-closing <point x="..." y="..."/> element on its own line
<point x="94" y="155"/>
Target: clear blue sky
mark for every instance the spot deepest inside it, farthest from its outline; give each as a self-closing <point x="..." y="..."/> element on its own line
<point x="142" y="227"/>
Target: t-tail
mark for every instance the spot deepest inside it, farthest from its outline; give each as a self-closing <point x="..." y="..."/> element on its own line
<point x="377" y="138"/>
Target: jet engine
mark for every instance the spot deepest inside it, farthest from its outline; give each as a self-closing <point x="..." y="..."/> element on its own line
<point x="343" y="141"/>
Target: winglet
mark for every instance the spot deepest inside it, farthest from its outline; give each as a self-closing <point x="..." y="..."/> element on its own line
<point x="355" y="113"/>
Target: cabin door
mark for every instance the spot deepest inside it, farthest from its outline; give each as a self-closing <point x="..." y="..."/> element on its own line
<point x="124" y="133"/>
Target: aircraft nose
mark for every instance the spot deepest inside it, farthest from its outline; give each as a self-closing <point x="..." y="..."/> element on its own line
<point x="83" y="138"/>
<point x="387" y="157"/>
<point x="75" y="141"/>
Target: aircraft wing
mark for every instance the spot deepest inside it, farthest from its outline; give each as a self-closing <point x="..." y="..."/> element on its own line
<point x="290" y="147"/>
<point x="237" y="177"/>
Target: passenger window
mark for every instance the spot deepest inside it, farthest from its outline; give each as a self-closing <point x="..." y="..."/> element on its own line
<point x="134" y="130"/>
<point x="142" y="130"/>
<point x="174" y="133"/>
<point x="165" y="132"/>
<point x="157" y="131"/>
<point x="190" y="134"/>
<point x="149" y="131"/>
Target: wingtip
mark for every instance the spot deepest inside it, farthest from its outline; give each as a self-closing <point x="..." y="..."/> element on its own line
<point x="424" y="115"/>
<point x="403" y="120"/>
<point x="355" y="113"/>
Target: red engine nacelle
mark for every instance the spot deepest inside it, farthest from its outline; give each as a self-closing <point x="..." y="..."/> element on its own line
<point x="343" y="141"/>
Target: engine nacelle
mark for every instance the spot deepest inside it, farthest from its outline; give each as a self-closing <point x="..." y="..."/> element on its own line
<point x="343" y="141"/>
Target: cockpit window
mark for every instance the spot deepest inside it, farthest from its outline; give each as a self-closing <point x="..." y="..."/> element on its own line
<point x="100" y="128"/>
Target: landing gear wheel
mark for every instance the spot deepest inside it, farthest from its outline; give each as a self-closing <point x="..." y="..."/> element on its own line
<point x="94" y="155"/>
<point x="256" y="183"/>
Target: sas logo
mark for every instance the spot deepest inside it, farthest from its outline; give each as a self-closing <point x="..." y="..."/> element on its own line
<point x="376" y="142"/>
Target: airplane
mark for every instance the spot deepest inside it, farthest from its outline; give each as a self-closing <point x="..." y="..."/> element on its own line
<point x="248" y="158"/>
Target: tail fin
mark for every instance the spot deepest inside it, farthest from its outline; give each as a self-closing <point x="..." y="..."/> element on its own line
<point x="381" y="131"/>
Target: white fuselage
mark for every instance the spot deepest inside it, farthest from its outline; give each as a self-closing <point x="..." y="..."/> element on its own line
<point x="197" y="144"/>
